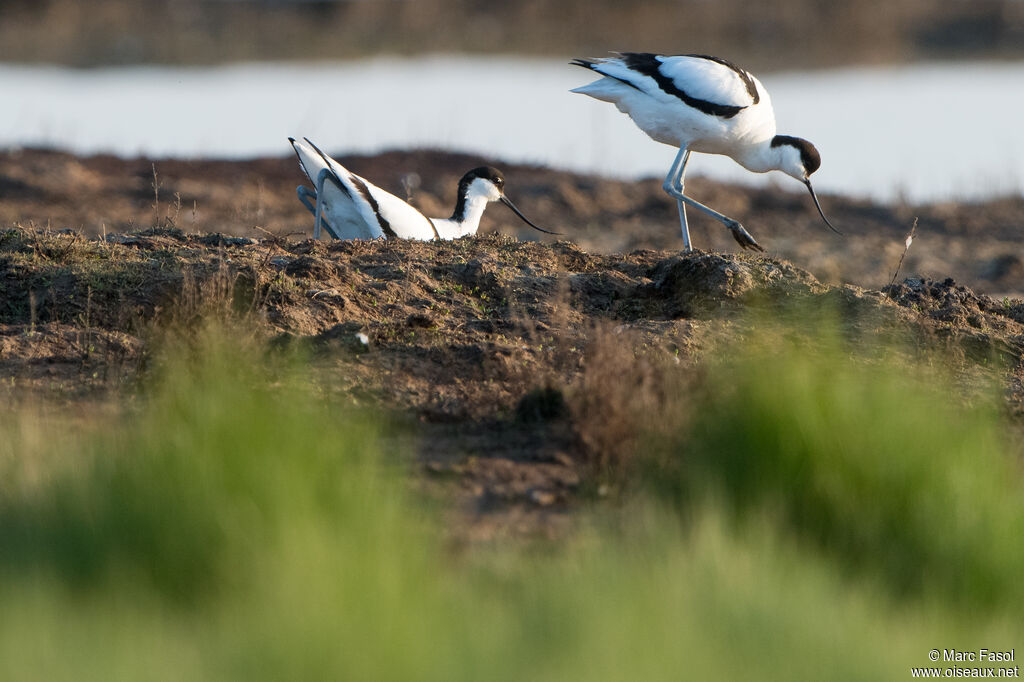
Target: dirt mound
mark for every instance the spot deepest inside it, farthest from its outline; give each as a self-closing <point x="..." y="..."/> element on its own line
<point x="978" y="244"/>
<point x="449" y="316"/>
<point x="468" y="343"/>
<point x="947" y="302"/>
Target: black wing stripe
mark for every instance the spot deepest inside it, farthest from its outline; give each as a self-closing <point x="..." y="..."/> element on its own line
<point x="648" y="65"/>
<point x="364" y="192"/>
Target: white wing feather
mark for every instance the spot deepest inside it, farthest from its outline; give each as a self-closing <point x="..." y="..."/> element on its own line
<point x="699" y="78"/>
<point x="708" y="80"/>
<point x="406" y="221"/>
<point x="343" y="207"/>
<point x="310" y="162"/>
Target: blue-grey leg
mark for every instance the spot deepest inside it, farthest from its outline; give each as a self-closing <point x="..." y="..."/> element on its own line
<point x="674" y="181"/>
<point x="305" y="194"/>
<point x="320" y="179"/>
<point x="674" y="186"/>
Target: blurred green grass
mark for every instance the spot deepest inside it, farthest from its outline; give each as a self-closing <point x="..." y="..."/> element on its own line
<point x="877" y="455"/>
<point x="237" y="525"/>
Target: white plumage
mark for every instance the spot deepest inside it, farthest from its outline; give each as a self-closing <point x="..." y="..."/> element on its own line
<point x="351" y="207"/>
<point x="702" y="104"/>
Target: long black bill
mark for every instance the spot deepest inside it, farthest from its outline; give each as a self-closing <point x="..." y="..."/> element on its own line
<point x="508" y="202"/>
<point x="820" y="212"/>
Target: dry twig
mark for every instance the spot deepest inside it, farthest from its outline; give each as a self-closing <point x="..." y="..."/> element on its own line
<point x="910" y="240"/>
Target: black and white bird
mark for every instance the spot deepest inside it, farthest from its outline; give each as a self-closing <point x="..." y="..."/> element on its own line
<point x="702" y="104"/>
<point x="350" y="207"/>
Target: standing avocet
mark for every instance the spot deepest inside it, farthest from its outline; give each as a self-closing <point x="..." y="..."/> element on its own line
<point x="349" y="207"/>
<point x="702" y="104"/>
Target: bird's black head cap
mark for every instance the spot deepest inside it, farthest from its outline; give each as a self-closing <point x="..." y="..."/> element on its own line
<point x="810" y="159"/>
<point x="483" y="172"/>
<point x="808" y="153"/>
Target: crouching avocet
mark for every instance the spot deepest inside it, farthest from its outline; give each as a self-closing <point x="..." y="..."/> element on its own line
<point x="702" y="104"/>
<point x="349" y="207"/>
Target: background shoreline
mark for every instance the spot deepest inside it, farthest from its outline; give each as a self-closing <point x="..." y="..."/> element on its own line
<point x="978" y="244"/>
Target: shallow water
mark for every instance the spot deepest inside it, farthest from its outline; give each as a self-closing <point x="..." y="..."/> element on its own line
<point x="923" y="132"/>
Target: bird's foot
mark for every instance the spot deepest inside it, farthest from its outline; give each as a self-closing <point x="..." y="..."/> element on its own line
<point x="744" y="238"/>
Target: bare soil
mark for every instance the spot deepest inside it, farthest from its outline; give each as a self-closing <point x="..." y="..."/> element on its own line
<point x="979" y="245"/>
<point x="487" y="351"/>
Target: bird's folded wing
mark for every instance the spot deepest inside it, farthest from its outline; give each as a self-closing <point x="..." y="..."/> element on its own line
<point x="351" y="209"/>
<point x="710" y="79"/>
<point x="358" y="209"/>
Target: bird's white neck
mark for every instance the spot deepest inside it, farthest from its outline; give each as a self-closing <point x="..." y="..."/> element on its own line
<point x="465" y="221"/>
<point x="473" y="211"/>
<point x="781" y="153"/>
<point x="761" y="158"/>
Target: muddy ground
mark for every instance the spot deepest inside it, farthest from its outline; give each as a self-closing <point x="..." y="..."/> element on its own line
<point x="979" y="245"/>
<point x="485" y="352"/>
